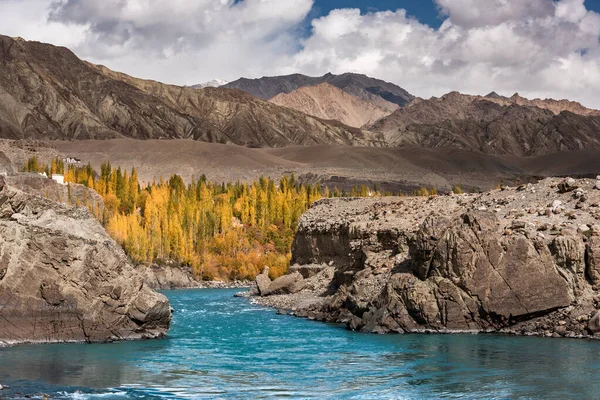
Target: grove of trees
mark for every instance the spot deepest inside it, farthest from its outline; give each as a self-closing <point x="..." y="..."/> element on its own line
<point x="223" y="231"/>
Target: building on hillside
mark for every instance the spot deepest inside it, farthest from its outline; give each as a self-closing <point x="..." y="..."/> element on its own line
<point x="72" y="160"/>
<point x="58" y="178"/>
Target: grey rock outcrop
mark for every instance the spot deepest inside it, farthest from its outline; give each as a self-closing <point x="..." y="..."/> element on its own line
<point x="263" y="281"/>
<point x="286" y="284"/>
<point x="167" y="277"/>
<point x="62" y="278"/>
<point x="467" y="263"/>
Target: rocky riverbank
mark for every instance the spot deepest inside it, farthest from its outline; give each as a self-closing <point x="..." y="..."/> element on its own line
<point x="522" y="260"/>
<point x="175" y="277"/>
<point x="63" y="279"/>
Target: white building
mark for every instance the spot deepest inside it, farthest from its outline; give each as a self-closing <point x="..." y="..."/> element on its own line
<point x="58" y="178"/>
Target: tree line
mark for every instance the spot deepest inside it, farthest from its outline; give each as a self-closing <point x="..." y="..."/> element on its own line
<point x="223" y="231"/>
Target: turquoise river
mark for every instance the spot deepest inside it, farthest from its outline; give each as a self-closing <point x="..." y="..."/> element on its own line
<point x="225" y="347"/>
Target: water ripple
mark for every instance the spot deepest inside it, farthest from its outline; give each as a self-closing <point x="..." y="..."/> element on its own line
<point x="225" y="347"/>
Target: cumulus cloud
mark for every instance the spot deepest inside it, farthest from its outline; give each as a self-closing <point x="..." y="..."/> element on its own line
<point x="175" y="41"/>
<point x="538" y="47"/>
<point x="477" y="13"/>
<point x="159" y="26"/>
<point x="545" y="48"/>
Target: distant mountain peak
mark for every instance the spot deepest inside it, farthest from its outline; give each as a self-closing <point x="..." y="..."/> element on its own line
<point x="212" y="83"/>
<point x="267" y="88"/>
<point x="329" y="102"/>
<point x="493" y="95"/>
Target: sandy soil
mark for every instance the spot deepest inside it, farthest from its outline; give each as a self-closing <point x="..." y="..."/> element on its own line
<point x="392" y="169"/>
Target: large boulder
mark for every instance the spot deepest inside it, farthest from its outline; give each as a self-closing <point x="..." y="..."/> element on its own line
<point x="309" y="270"/>
<point x="512" y="276"/>
<point x="593" y="257"/>
<point x="567" y="185"/>
<point x="62" y="278"/>
<point x="594" y="323"/>
<point x="263" y="281"/>
<point x="286" y="284"/>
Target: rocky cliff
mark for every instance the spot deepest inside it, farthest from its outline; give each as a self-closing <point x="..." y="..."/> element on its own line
<point x="63" y="279"/>
<point x="72" y="193"/>
<point x="521" y="260"/>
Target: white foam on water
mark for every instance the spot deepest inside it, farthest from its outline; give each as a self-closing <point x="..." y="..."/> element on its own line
<point x="84" y="396"/>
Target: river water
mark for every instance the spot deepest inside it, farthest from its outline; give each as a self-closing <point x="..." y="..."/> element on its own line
<point x="224" y="347"/>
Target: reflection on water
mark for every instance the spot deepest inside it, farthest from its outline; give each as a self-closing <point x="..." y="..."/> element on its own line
<point x="223" y="347"/>
<point x="78" y="364"/>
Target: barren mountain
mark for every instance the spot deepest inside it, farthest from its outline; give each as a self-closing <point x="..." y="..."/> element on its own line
<point x="47" y="92"/>
<point x="486" y="125"/>
<point x="361" y="86"/>
<point x="328" y="102"/>
<point x="556" y="106"/>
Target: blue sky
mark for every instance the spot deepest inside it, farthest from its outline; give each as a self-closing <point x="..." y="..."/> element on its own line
<point x="424" y="10"/>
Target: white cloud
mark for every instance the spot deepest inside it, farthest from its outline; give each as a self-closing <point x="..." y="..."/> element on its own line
<point x="477" y="13"/>
<point x="29" y="19"/>
<point x="571" y="10"/>
<point x="175" y="41"/>
<point x="536" y="47"/>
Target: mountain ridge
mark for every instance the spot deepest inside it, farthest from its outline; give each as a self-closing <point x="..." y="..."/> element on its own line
<point x="489" y="125"/>
<point x="268" y="87"/>
<point x="47" y="92"/>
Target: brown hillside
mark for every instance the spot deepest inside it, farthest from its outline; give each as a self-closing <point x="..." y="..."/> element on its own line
<point x="46" y="92"/>
<point x="328" y="102"/>
<point x="480" y="124"/>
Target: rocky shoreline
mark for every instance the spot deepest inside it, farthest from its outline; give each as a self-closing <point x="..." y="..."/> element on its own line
<point x="63" y="279"/>
<point x="523" y="260"/>
<point x="175" y="277"/>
